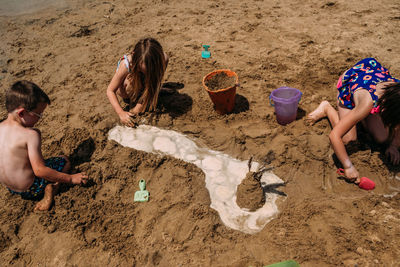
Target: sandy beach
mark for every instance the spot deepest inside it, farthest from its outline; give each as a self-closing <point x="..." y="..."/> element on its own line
<point x="71" y="50"/>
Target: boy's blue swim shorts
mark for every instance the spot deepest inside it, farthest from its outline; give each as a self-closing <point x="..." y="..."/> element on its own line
<point x="36" y="190"/>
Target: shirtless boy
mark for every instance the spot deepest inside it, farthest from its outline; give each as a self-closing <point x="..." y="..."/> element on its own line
<point x="21" y="160"/>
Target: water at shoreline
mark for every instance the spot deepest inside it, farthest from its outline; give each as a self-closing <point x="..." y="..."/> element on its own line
<point x="19" y="7"/>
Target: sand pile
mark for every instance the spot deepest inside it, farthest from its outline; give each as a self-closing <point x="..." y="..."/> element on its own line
<point x="250" y="194"/>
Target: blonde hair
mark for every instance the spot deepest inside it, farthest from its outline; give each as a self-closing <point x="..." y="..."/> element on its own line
<point x="146" y="83"/>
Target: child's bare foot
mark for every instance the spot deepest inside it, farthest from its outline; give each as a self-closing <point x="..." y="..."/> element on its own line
<point x="318" y="113"/>
<point x="45" y="203"/>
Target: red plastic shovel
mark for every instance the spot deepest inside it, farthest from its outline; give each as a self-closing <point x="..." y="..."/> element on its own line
<point x="365" y="183"/>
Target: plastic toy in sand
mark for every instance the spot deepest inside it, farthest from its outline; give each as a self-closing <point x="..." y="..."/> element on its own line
<point x="289" y="263"/>
<point x="223" y="174"/>
<point x="142" y="195"/>
<point x="221" y="87"/>
<point x="286" y="101"/>
<point x="205" y="53"/>
<point x="365" y="183"/>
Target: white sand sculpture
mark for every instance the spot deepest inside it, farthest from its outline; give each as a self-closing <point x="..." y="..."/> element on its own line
<point x="223" y="173"/>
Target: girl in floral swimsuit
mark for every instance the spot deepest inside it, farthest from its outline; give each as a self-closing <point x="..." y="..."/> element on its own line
<point x="367" y="93"/>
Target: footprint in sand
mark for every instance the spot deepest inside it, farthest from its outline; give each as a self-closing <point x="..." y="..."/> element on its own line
<point x="223" y="173"/>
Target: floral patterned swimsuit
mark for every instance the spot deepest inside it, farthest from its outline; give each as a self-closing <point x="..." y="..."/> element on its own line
<point x="365" y="74"/>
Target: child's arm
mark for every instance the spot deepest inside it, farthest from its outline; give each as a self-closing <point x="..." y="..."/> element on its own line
<point x="392" y="151"/>
<point x="363" y="105"/>
<point x="112" y="88"/>
<point x="138" y="109"/>
<point x="40" y="169"/>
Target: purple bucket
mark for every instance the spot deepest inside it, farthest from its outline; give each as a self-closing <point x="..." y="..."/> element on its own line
<point x="286" y="101"/>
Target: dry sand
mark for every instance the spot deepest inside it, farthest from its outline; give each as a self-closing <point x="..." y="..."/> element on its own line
<point x="324" y="221"/>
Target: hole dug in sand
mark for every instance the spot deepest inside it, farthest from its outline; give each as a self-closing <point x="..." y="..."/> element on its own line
<point x="223" y="173"/>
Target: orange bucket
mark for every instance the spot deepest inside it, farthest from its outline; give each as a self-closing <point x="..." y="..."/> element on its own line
<point x="223" y="99"/>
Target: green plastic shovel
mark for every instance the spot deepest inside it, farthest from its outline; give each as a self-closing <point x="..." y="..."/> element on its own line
<point x="142" y="195"/>
<point x="289" y="263"/>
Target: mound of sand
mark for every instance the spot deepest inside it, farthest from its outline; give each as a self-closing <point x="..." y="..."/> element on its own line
<point x="250" y="194"/>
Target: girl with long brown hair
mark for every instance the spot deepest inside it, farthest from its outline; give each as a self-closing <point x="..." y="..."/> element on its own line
<point x="138" y="79"/>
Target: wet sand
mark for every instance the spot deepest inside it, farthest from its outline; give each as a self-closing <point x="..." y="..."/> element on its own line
<point x="323" y="221"/>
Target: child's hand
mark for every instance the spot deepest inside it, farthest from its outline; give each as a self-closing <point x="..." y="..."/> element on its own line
<point x="126" y="118"/>
<point x="392" y="152"/>
<point x="79" y="178"/>
<point x="352" y="174"/>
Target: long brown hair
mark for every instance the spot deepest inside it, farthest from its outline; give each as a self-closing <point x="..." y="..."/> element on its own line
<point x="146" y="83"/>
<point x="389" y="105"/>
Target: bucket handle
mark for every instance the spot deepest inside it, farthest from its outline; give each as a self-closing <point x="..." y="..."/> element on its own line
<point x="270" y="103"/>
<point x="301" y="94"/>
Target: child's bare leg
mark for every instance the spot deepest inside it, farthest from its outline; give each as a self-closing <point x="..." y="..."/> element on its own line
<point x="374" y="125"/>
<point x="47" y="200"/>
<point x="351" y="135"/>
<point x="396" y="138"/>
<point x="125" y="92"/>
<point x="392" y="151"/>
<point x="67" y="166"/>
<point x="122" y="93"/>
<point x="324" y="110"/>
<point x="51" y="190"/>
